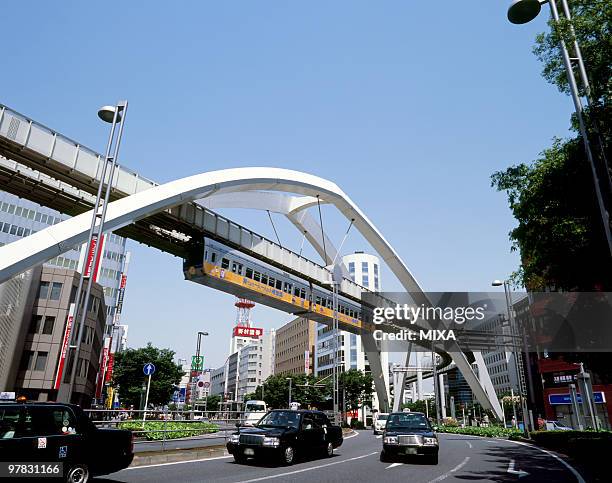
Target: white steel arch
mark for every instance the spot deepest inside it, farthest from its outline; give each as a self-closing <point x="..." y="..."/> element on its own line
<point x="18" y="256"/>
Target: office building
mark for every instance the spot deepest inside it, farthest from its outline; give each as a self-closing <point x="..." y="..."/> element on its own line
<point x="38" y="364"/>
<point x="20" y="218"/>
<point x="295" y="347"/>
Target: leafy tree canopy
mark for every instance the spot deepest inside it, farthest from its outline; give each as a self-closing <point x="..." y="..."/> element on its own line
<point x="356" y="388"/>
<point x="276" y="391"/>
<point x="559" y="230"/>
<point x="559" y="233"/>
<point x="128" y="375"/>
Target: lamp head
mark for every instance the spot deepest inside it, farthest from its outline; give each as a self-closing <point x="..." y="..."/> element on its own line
<point x="107" y="113"/>
<point x="523" y="11"/>
<point x="497" y="283"/>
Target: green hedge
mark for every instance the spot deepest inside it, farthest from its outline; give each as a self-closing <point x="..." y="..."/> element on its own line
<point x="175" y="429"/>
<point x="487" y="432"/>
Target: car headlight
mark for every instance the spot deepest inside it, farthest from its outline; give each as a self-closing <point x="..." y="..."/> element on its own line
<point x="271" y="441"/>
<point x="430" y="441"/>
<point x="234" y="438"/>
<point x="390" y="440"/>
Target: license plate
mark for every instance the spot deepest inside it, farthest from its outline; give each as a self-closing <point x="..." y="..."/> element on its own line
<point x="249" y="452"/>
<point x="410" y="451"/>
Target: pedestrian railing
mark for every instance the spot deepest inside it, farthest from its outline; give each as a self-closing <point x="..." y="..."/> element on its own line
<point x="159" y="426"/>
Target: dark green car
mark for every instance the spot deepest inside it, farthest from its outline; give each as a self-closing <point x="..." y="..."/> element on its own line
<point x="409" y="434"/>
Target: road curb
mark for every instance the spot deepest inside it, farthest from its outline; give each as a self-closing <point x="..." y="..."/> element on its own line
<point x="158" y="457"/>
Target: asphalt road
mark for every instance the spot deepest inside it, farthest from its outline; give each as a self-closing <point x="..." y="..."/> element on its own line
<point x="462" y="458"/>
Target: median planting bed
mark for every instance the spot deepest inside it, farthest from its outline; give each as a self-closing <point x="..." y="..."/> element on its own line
<point x="487" y="432"/>
<point x="154" y="430"/>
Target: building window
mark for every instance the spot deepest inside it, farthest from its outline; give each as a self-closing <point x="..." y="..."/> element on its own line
<point x="364" y="267"/>
<point x="26" y="360"/>
<point x="43" y="290"/>
<point x="41" y="361"/>
<point x="36" y="323"/>
<point x="48" y="325"/>
<point x="56" y="291"/>
<point x="365" y="281"/>
<point x="376" y="286"/>
<point x="351" y="267"/>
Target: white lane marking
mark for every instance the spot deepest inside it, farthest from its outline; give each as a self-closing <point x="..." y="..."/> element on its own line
<point x="178" y="462"/>
<point x="307" y="469"/>
<point x="570" y="467"/>
<point x="355" y="433"/>
<point x="447" y="474"/>
<point x="379" y="436"/>
<point x="469" y="444"/>
<point x="513" y="471"/>
<point x="393" y="465"/>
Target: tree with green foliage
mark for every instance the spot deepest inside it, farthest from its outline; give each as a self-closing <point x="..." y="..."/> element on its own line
<point x="356" y="389"/>
<point x="129" y="378"/>
<point x="303" y="390"/>
<point x="559" y="234"/>
<point x="421" y="406"/>
<point x="212" y="402"/>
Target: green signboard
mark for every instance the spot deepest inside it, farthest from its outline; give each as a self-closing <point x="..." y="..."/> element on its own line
<point x="197" y="363"/>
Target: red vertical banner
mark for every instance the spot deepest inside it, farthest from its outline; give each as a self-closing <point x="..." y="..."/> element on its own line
<point x="102" y="370"/>
<point x="64" y="348"/>
<point x="93" y="247"/>
<point x="109" y="367"/>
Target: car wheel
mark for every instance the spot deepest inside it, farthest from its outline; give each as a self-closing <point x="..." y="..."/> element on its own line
<point x="288" y="455"/>
<point x="239" y="458"/>
<point x="329" y="451"/>
<point x="78" y="474"/>
<point x="434" y="459"/>
<point x="384" y="457"/>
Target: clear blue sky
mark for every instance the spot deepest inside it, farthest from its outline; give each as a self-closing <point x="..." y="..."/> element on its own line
<point x="407" y="106"/>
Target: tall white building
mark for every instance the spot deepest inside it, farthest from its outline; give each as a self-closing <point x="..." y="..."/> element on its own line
<point x="248" y="366"/>
<point x="255" y="363"/>
<point x="364" y="269"/>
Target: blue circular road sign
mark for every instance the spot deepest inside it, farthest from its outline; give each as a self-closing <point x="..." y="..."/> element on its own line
<point x="148" y="369"/>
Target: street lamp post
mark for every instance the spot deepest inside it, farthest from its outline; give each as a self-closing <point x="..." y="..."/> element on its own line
<point x="197" y="369"/>
<point x="335" y="282"/>
<point x="290" y="381"/>
<point x="115" y="115"/>
<point x="516" y="353"/>
<point x="523" y="11"/>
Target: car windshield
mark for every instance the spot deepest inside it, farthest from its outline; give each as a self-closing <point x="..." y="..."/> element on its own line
<point x="409" y="421"/>
<point x="281" y="419"/>
<point x="255" y="407"/>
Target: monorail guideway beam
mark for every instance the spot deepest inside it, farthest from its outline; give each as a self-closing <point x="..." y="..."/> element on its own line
<point x="18" y="256"/>
<point x="294" y="208"/>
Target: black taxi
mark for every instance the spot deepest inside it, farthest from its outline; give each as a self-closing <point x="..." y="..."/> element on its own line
<point x="37" y="433"/>
<point x="409" y="434"/>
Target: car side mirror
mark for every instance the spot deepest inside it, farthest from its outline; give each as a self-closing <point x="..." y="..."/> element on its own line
<point x="238" y="425"/>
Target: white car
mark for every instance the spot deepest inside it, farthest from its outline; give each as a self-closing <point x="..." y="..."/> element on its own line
<point x="253" y="412"/>
<point x="556" y="426"/>
<point x="380" y="422"/>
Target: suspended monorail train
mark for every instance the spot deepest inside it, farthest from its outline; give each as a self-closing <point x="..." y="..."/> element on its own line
<point x="232" y="271"/>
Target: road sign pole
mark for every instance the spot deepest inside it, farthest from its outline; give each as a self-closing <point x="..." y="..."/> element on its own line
<point x="144" y="417"/>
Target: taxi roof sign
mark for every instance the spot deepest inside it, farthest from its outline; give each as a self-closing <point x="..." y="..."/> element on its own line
<point x="7" y="396"/>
